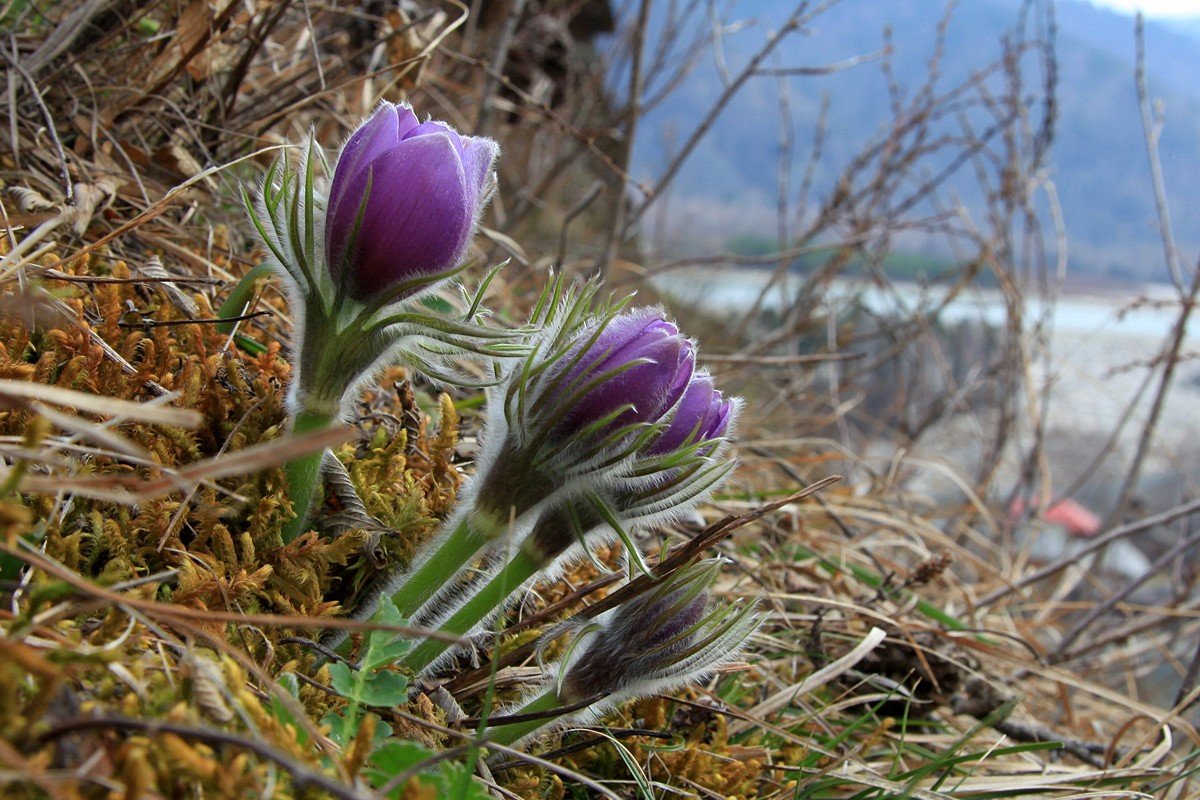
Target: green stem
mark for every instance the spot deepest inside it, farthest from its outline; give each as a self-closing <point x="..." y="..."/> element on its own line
<point x="304" y="474"/>
<point x="508" y="734"/>
<point x="433" y="575"/>
<point x="490" y="597"/>
<point x="239" y="298"/>
<point x="437" y="571"/>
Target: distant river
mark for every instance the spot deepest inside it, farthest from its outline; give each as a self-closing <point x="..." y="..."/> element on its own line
<point x="730" y="290"/>
<point x="1094" y="358"/>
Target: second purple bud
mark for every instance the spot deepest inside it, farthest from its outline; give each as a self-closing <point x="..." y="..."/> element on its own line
<point x="633" y="370"/>
<point x="703" y="415"/>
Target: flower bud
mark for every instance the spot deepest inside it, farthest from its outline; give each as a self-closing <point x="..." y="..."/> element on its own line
<point x="701" y="416"/>
<point x="633" y="371"/>
<point x="668" y="476"/>
<point x="403" y="203"/>
<point x="589" y="391"/>
<point x="665" y="637"/>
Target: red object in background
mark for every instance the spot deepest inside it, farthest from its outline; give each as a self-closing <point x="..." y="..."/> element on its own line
<point x="1075" y="518"/>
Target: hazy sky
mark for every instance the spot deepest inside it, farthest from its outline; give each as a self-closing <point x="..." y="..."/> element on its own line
<point x="1155" y="8"/>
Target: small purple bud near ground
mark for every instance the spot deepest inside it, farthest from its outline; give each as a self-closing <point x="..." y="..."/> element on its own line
<point x="640" y="641"/>
<point x="669" y="636"/>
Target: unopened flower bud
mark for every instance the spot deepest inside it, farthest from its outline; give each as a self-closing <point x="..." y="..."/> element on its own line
<point x="635" y="370"/>
<point x="582" y="394"/>
<point x="403" y="203"/>
<point x="663" y="638"/>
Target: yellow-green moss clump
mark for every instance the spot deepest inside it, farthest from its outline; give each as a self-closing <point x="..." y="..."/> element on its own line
<point x="67" y="654"/>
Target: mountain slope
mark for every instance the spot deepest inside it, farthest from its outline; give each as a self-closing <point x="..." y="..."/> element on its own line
<point x="1098" y="167"/>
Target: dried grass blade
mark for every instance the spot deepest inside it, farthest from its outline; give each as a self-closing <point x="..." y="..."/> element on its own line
<point x="132" y="490"/>
<point x="814" y="681"/>
<point x="151" y="414"/>
<point x="98" y="433"/>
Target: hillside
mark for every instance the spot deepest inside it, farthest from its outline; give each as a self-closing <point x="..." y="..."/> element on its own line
<point x="1098" y="168"/>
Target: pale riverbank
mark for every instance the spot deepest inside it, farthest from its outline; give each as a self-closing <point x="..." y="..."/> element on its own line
<point x="1089" y="362"/>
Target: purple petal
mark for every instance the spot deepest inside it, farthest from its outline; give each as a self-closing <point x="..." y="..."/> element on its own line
<point x="478" y="155"/>
<point x="650" y="388"/>
<point x="721" y="422"/>
<point x="381" y="132"/>
<point x="435" y="127"/>
<point x="690" y="416"/>
<point x="416" y="222"/>
<point x="702" y="415"/>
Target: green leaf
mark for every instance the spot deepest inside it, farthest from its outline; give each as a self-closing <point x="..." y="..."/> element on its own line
<point x="383" y="732"/>
<point x="338" y="728"/>
<point x="456" y="781"/>
<point x="248" y="345"/>
<point x="342" y="730"/>
<point x="342" y="679"/>
<point x="395" y="757"/>
<point x="10" y="567"/>
<point x="438" y="304"/>
<point x="449" y="779"/>
<point x="384" y="689"/>
<point x="385" y="647"/>
<point x="384" y="653"/>
<point x="290" y="684"/>
<point x="240" y="295"/>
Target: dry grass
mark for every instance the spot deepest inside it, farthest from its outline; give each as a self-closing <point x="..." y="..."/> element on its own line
<point x="156" y="632"/>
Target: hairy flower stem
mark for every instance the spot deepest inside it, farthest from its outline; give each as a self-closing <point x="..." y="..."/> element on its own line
<point x="483" y="602"/>
<point x="437" y="570"/>
<point x="515" y="731"/>
<point x="304" y="474"/>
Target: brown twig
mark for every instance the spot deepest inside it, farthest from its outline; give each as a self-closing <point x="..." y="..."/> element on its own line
<point x="632" y="114"/>
<point x="161" y="323"/>
<point x="1064" y="561"/>
<point x="303" y="776"/>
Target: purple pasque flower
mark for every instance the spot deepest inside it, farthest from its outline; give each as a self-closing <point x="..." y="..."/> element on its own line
<point x="666" y="637"/>
<point x="580" y="404"/>
<point x="403" y="203"/>
<point x="633" y="370"/>
<point x="701" y="416"/>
